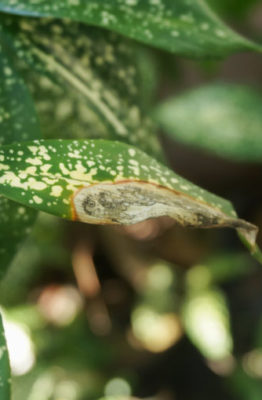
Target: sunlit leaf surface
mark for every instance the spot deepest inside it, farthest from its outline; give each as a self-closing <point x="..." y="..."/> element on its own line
<point x="224" y="119"/>
<point x="207" y="323"/>
<point x="187" y="27"/>
<point x="5" y="380"/>
<point x="17" y="123"/>
<point x="105" y="182"/>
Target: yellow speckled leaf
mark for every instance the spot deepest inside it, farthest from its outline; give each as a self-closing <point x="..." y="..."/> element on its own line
<point x="105" y="182"/>
<point x="90" y="75"/>
<point x="187" y="27"/>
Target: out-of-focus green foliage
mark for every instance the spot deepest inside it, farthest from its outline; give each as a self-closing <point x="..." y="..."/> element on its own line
<point x="5" y="382"/>
<point x="233" y="8"/>
<point x="150" y="311"/>
<point x="225" y="120"/>
<point x="206" y="316"/>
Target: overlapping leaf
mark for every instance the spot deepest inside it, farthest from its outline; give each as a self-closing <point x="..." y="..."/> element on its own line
<point x="5" y="379"/>
<point x="224" y="119"/>
<point x="186" y="27"/>
<point x="17" y="123"/>
<point x="105" y="182"/>
<point x="89" y="83"/>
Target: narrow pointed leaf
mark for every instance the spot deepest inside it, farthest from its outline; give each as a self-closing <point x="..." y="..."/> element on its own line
<point x="5" y="378"/>
<point x="105" y="182"/>
<point x="224" y="119"/>
<point x="17" y="123"/>
<point x="187" y="27"/>
<point x="91" y="76"/>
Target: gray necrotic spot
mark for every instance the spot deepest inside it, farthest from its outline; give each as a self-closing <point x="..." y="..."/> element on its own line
<point x="88" y="204"/>
<point x="106" y="201"/>
<point x="133" y="202"/>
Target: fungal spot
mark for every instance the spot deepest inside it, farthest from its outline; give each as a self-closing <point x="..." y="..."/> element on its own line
<point x="131" y="202"/>
<point x="106" y="201"/>
<point x="88" y="204"/>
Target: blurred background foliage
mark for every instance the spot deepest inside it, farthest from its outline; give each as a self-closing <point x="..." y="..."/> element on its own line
<point x="151" y="311"/>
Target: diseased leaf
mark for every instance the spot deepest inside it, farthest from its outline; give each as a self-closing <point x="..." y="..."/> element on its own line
<point x="90" y="75"/>
<point x="17" y="122"/>
<point x="5" y="379"/>
<point x="106" y="182"/>
<point x="224" y="119"/>
<point x="186" y="27"/>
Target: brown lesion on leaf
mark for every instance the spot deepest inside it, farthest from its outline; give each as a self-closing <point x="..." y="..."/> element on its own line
<point x="142" y="183"/>
<point x="128" y="202"/>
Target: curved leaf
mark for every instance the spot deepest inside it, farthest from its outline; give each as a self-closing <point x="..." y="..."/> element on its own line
<point x="105" y="182"/>
<point x="5" y="379"/>
<point x="90" y="75"/>
<point x="186" y="27"/>
<point x="224" y="119"/>
<point x="18" y="122"/>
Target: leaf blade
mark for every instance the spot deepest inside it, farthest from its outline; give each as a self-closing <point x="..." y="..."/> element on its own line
<point x="92" y="77"/>
<point x="188" y="28"/>
<point x="238" y="107"/>
<point x="105" y="182"/>
<point x="17" y="122"/>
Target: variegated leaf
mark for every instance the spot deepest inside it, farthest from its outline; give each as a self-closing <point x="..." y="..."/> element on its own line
<point x="225" y="119"/>
<point x="89" y="75"/>
<point x="17" y="123"/>
<point x="105" y="182"/>
<point x="187" y="27"/>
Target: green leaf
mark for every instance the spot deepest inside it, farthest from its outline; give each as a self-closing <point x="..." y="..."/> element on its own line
<point x="91" y="76"/>
<point x="17" y="122"/>
<point x="186" y="27"/>
<point x="17" y="115"/>
<point x="16" y="222"/>
<point x="106" y="182"/>
<point x="5" y="379"/>
<point x="224" y="119"/>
